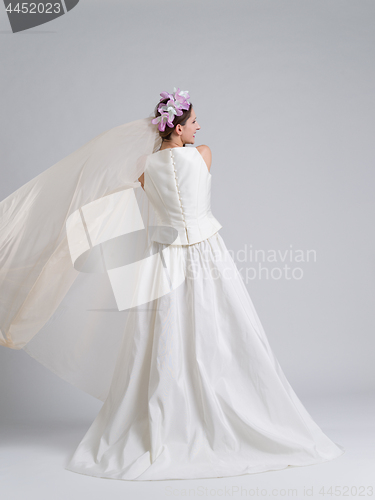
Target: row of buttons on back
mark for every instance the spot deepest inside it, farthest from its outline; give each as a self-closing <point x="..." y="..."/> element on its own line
<point x="178" y="191"/>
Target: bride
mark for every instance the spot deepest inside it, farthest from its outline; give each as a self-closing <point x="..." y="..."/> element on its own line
<point x="190" y="385"/>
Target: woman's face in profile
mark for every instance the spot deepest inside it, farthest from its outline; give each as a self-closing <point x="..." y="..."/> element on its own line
<point x="190" y="128"/>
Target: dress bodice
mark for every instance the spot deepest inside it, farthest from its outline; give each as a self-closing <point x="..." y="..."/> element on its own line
<point x="178" y="186"/>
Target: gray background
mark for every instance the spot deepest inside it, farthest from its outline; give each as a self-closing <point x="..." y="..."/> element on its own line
<point x="284" y="94"/>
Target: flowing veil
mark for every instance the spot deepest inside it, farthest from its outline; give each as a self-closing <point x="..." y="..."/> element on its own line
<point x="71" y="240"/>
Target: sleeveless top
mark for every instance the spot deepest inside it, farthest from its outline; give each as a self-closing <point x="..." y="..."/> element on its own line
<point x="178" y="185"/>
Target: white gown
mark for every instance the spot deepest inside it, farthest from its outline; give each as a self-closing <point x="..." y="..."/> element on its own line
<point x="196" y="391"/>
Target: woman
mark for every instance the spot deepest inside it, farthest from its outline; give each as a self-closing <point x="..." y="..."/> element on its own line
<point x="190" y="385"/>
<point x="202" y="394"/>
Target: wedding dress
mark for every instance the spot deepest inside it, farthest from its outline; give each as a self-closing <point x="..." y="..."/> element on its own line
<point x="196" y="391"/>
<point x="132" y="296"/>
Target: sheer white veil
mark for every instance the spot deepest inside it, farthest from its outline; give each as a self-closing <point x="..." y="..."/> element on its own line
<point x="61" y="236"/>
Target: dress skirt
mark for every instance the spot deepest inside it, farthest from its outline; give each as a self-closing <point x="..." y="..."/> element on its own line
<point x="197" y="391"/>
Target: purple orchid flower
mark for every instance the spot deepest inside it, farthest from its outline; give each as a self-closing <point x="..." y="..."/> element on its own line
<point x="177" y="102"/>
<point x="162" y="120"/>
<point x="165" y="95"/>
<point x="182" y="97"/>
<point x="171" y="108"/>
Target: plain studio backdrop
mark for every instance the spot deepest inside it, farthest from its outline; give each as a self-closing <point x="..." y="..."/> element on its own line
<point x="284" y="94"/>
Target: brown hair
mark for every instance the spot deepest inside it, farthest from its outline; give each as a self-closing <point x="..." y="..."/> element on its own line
<point x="178" y="120"/>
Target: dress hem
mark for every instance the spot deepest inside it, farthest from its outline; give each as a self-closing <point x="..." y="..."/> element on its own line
<point x="272" y="469"/>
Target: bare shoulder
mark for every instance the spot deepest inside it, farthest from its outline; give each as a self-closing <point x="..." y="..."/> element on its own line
<point x="205" y="151"/>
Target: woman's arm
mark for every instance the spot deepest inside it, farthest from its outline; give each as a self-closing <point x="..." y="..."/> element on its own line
<point x="142" y="180"/>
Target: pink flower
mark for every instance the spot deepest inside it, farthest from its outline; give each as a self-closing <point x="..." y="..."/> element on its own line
<point x="177" y="102"/>
<point x="162" y="120"/>
<point x="182" y="97"/>
<point x="166" y="94"/>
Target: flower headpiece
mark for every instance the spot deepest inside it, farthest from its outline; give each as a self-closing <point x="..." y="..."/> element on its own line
<point x="177" y="102"/>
